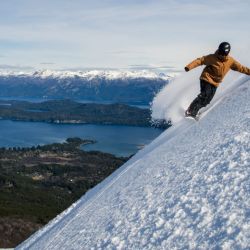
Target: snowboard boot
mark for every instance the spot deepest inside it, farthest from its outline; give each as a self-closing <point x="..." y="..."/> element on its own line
<point x="191" y="115"/>
<point x="188" y="113"/>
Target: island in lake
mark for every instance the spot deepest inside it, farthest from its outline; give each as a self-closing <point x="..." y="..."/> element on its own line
<point x="68" y="111"/>
<point x="71" y="112"/>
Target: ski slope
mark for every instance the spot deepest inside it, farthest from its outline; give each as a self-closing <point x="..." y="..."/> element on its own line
<point x="188" y="189"/>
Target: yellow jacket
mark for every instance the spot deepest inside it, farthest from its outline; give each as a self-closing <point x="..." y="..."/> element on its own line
<point x="217" y="67"/>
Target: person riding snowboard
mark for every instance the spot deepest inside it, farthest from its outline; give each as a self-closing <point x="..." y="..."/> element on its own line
<point x="217" y="66"/>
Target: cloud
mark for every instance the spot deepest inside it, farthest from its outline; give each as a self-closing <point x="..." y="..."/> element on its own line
<point x="15" y="67"/>
<point x="47" y="63"/>
<point x="167" y="68"/>
<point x="87" y="68"/>
<point x="116" y="33"/>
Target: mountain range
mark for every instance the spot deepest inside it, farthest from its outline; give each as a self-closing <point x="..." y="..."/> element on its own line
<point x="93" y="85"/>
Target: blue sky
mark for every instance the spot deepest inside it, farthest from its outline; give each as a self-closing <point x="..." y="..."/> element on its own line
<point x="78" y="34"/>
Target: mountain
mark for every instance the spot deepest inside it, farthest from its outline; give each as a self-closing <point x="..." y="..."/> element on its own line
<point x="95" y="85"/>
<point x="188" y="189"/>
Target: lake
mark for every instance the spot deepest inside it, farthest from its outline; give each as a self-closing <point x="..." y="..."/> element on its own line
<point x="118" y="140"/>
<point x="37" y="100"/>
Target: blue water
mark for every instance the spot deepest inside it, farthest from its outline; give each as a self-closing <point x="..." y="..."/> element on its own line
<point x="118" y="140"/>
<point x="38" y="100"/>
<point x="36" y="110"/>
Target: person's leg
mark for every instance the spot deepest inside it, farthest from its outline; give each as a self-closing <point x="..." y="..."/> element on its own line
<point x="203" y="99"/>
<point x="209" y="91"/>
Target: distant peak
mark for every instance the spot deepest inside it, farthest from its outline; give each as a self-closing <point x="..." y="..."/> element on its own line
<point x="91" y="74"/>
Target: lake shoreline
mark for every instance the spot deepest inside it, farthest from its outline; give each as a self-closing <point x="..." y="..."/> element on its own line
<point x="119" y="140"/>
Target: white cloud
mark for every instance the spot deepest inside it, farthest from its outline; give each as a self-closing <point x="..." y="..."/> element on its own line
<point x="119" y="33"/>
<point x="15" y="67"/>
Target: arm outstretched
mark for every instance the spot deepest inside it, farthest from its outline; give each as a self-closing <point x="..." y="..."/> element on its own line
<point x="236" y="66"/>
<point x="204" y="60"/>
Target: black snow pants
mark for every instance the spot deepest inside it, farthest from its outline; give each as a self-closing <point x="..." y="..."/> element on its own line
<point x="204" y="98"/>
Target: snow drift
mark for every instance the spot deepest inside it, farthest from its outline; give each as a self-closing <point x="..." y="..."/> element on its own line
<point x="188" y="189"/>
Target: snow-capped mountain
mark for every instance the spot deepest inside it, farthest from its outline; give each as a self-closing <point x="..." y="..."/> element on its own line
<point x="93" y="85"/>
<point x="188" y="189"/>
<point x="90" y="74"/>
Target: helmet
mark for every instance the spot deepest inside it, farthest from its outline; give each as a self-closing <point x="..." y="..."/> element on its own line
<point x="224" y="48"/>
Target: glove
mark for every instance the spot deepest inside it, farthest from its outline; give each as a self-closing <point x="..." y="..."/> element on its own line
<point x="186" y="69"/>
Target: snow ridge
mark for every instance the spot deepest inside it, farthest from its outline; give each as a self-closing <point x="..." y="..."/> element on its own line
<point x="188" y="189"/>
<point x="91" y="74"/>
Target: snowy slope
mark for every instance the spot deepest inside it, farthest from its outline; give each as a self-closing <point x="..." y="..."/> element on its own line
<point x="188" y="189"/>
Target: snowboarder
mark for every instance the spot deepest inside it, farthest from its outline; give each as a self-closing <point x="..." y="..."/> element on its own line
<point x="217" y="66"/>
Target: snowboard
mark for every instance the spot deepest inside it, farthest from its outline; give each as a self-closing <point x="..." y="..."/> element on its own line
<point x="196" y="118"/>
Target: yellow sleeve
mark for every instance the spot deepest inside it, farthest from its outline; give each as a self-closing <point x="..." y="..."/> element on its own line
<point x="204" y="60"/>
<point x="240" y="68"/>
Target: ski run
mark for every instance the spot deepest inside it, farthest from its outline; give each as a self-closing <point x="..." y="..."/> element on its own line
<point x="188" y="189"/>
